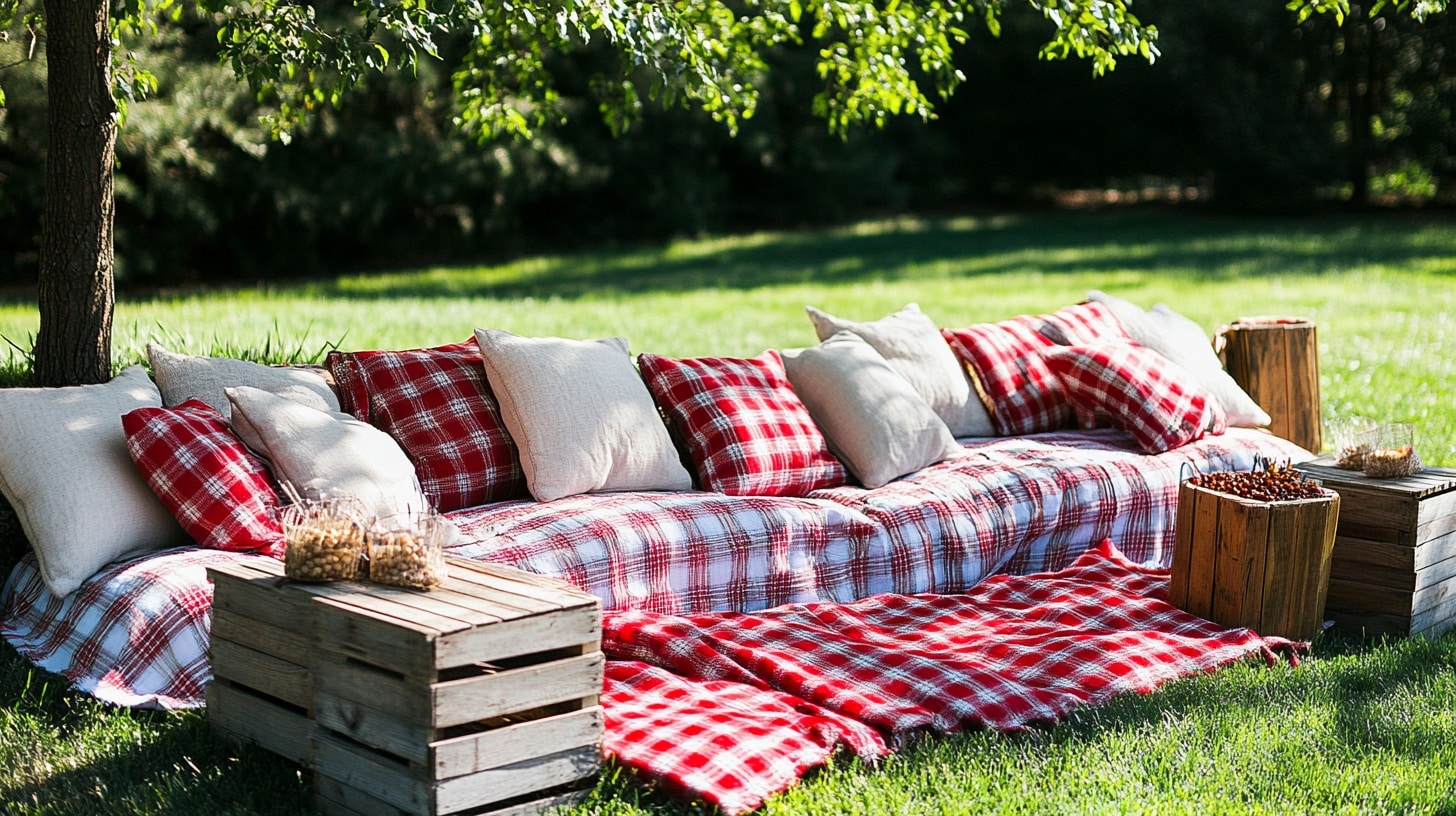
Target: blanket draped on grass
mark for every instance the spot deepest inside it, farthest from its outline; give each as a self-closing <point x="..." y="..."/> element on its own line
<point x="731" y="708"/>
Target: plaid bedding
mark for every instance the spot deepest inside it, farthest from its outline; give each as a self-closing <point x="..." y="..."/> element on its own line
<point x="136" y="633"/>
<point x="1015" y="651"/>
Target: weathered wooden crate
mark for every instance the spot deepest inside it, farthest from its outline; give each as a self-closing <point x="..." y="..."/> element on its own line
<point x="1261" y="565"/>
<point x="1394" y="567"/>
<point x="1276" y="360"/>
<point x="478" y="696"/>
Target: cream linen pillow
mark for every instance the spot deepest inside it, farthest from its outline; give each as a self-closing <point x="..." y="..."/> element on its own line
<point x="65" y="468"/>
<point x="913" y="346"/>
<point x="182" y="377"/>
<point x="326" y="454"/>
<point x="874" y="421"/>
<point x="1187" y="344"/>
<point x="580" y="414"/>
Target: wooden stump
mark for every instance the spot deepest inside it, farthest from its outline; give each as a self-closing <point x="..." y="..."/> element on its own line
<point x="1260" y="565"/>
<point x="1276" y="360"/>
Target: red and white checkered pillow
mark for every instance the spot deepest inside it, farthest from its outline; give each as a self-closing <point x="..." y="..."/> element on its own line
<point x="1141" y="391"/>
<point x="219" y="491"/>
<point x="436" y="404"/>
<point x="746" y="430"/>
<point x="1005" y="358"/>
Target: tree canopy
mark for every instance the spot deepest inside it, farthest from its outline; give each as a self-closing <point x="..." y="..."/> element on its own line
<point x="874" y="60"/>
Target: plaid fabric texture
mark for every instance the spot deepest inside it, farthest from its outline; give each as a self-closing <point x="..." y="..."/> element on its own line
<point x="1006" y="358"/>
<point x="747" y="431"/>
<point x="1024" y="505"/>
<point x="435" y="402"/>
<point x="219" y="491"/>
<point x="135" y="634"/>
<point x="1016" y="650"/>
<point x="1140" y="390"/>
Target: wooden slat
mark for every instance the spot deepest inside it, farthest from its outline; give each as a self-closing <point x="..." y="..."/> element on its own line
<point x="529" y="584"/>
<point x="1356" y="595"/>
<point x="457" y="702"/>
<point x="1433" y="610"/>
<point x="262" y="672"/>
<point x="518" y="779"/>
<point x="411" y="607"/>
<point x="1235" y="579"/>
<point x="382" y="640"/>
<point x="293" y="645"/>
<point x="1183" y="532"/>
<point x="1278" y="365"/>
<point x="1435" y="550"/>
<point x="1204" y="550"/>
<point x="1363" y="551"/>
<point x="257" y="596"/>
<point x="334" y="798"/>
<point x="538" y="633"/>
<point x="496" y="747"/>
<point x="250" y="717"/>
<point x="381" y="777"/>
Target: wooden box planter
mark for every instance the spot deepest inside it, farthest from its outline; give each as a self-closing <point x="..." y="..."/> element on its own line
<point x="1260" y="565"/>
<point x="1276" y="360"/>
<point x="479" y="696"/>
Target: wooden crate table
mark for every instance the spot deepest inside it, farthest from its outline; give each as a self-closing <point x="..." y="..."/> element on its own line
<point x="478" y="696"/>
<point x="1394" y="569"/>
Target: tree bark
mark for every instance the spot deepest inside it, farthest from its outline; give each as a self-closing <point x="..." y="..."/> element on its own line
<point x="76" y="290"/>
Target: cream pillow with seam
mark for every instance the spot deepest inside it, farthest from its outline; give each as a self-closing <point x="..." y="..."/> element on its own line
<point x="580" y="414"/>
<point x="181" y="377"/>
<point x="65" y="469"/>
<point x="873" y="420"/>
<point x="915" y="349"/>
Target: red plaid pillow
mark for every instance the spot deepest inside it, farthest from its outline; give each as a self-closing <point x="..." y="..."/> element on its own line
<point x="1142" y="392"/>
<point x="746" y="430"/>
<point x="220" y="492"/>
<point x="1023" y="396"/>
<point x="435" y="402"/>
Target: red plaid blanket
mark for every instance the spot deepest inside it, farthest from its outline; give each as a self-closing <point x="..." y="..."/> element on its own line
<point x="731" y="708"/>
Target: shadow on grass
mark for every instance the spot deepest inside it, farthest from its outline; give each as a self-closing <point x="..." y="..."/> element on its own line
<point x="1047" y="243"/>
<point x="94" y="758"/>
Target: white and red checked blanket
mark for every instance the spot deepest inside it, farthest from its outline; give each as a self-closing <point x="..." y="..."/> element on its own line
<point x="731" y="708"/>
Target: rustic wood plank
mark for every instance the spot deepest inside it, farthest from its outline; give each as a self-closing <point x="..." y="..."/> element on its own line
<point x="1435" y="574"/>
<point x="382" y="640"/>
<point x="1357" y="595"/>
<point x="1431" y="627"/>
<point x="1391" y="577"/>
<point x="369" y="772"/>
<point x="528" y="584"/>
<point x="1204" y="541"/>
<point x="334" y="798"/>
<point x="262" y="672"/>
<point x="249" y="717"/>
<point x="457" y="702"/>
<point x="518" y="779"/>
<point x="293" y="645"/>
<point x="256" y="596"/>
<point x="1278" y="366"/>
<point x="539" y="633"/>
<point x="1183" y="532"/>
<point x="406" y="605"/>
<point x="1232" y="564"/>
<point x="1379" y="554"/>
<point x="497" y="747"/>
<point x="1435" y="550"/>
<point x="1433" y="610"/>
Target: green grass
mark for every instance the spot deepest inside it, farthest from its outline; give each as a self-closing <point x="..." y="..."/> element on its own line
<point x="1361" y="727"/>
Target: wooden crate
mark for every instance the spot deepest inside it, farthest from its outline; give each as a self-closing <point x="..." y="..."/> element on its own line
<point x="1276" y="360"/>
<point x="1261" y="565"/>
<point x="478" y="696"/>
<point x="1394" y="569"/>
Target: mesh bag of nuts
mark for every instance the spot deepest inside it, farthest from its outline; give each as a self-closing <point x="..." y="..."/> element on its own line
<point x="325" y="539"/>
<point x="408" y="551"/>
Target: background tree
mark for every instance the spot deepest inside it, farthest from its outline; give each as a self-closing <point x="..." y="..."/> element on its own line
<point x="870" y="63"/>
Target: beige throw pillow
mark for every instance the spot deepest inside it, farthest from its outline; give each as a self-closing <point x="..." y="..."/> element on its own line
<point x="913" y="346"/>
<point x="874" y="421"/>
<point x="182" y="377"/>
<point x="326" y="454"/>
<point x="580" y="414"/>
<point x="64" y="467"/>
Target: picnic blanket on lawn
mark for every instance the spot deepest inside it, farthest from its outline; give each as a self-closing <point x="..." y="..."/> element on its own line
<point x="731" y="708"/>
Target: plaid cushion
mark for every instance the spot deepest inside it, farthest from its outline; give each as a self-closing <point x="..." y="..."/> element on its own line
<point x="1141" y="391"/>
<point x="746" y="430"/>
<point x="435" y="402"/>
<point x="219" y="491"/>
<point x="1023" y="396"/>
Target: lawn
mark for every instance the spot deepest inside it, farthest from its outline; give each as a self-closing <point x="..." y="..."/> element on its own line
<point x="1361" y="727"/>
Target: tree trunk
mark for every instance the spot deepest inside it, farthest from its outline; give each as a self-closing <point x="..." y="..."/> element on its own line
<point x="76" y="292"/>
<point x="1359" y="60"/>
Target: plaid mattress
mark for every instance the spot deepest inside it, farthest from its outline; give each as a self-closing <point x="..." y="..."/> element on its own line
<point x="684" y="694"/>
<point x="136" y="633"/>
